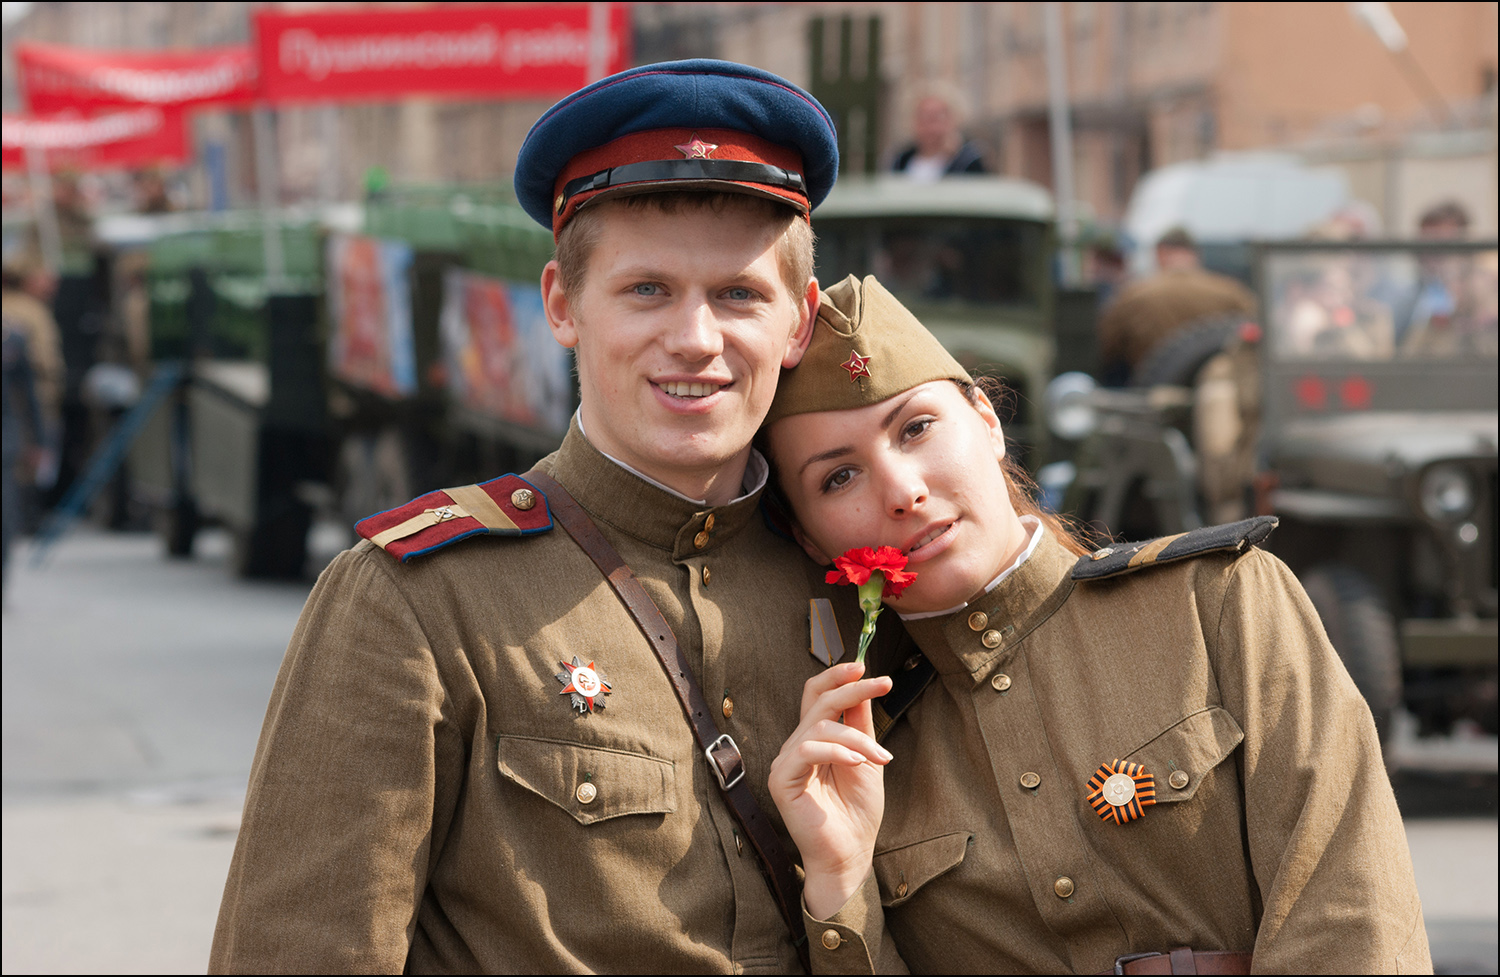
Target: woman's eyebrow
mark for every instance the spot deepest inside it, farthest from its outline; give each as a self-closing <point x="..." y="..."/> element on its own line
<point x="828" y="455"/>
<point x="832" y="453"/>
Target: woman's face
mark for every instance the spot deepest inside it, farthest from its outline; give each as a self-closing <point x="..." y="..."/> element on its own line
<point x="919" y="471"/>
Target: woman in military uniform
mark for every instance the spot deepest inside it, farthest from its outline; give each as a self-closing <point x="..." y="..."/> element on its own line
<point x="1144" y="758"/>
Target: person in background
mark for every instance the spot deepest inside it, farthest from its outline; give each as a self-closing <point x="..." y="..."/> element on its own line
<point x="1180" y="294"/>
<point x="20" y="439"/>
<point x="939" y="148"/>
<point x="26" y="290"/>
<point x="1431" y="302"/>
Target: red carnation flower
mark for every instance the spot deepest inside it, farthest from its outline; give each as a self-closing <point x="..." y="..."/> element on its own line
<point x="859" y="567"/>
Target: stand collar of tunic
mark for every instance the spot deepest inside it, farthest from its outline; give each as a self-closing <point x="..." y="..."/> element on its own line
<point x="1025" y="598"/>
<point x="646" y="510"/>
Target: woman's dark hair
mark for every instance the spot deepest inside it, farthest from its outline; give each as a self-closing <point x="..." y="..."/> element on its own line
<point x="1020" y="485"/>
<point x="1023" y="490"/>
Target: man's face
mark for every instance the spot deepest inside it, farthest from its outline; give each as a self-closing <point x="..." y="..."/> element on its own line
<point x="682" y="326"/>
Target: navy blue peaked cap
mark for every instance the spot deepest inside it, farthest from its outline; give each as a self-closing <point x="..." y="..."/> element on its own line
<point x="699" y="94"/>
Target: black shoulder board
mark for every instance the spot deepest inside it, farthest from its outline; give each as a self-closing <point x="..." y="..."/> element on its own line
<point x="1117" y="559"/>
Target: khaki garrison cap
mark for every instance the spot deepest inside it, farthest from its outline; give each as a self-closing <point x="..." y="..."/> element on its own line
<point x="865" y="347"/>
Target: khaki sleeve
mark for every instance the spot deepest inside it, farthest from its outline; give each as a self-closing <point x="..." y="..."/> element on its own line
<point x="841" y="944"/>
<point x="1326" y="843"/>
<point x="333" y="851"/>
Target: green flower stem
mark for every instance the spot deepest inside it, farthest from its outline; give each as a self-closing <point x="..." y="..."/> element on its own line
<point x="869" y="602"/>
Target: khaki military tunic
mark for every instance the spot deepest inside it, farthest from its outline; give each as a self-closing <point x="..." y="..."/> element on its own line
<point x="424" y="797"/>
<point x="1275" y="828"/>
<point x="1150" y="310"/>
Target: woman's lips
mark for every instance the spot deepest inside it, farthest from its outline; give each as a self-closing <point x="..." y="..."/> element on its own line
<point x="937" y="540"/>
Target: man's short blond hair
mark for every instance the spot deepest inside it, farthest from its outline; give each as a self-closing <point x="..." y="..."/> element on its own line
<point x="794" y="243"/>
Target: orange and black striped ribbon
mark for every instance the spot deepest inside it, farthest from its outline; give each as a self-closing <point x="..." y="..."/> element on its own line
<point x="1145" y="792"/>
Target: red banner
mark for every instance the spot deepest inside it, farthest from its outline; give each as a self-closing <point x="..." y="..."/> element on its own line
<point x="514" y="50"/>
<point x="139" y="136"/>
<point x="56" y="78"/>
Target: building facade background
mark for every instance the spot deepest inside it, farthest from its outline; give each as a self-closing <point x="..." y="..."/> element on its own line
<point x="1148" y="84"/>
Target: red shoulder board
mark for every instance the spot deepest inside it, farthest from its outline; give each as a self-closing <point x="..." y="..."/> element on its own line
<point x="505" y="506"/>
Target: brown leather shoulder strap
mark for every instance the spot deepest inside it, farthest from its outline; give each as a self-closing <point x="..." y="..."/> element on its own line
<point x="722" y="753"/>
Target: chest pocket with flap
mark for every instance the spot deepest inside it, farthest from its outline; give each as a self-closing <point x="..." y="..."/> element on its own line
<point x="900" y="872"/>
<point x="1192" y="747"/>
<point x="619" y="782"/>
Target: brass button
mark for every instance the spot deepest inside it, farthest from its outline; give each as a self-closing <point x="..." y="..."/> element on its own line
<point x="706" y="576"/>
<point x="728" y="707"/>
<point x="559" y="203"/>
<point x="586" y="793"/>
<point x="523" y="499"/>
<point x="1030" y="780"/>
<point x="978" y="620"/>
<point x="1179" y="779"/>
<point x="1101" y="553"/>
<point x="911" y="663"/>
<point x="700" y="540"/>
<point x="739" y="844"/>
<point x="901" y="890"/>
<point x="1001" y="682"/>
<point x="831" y="939"/>
<point x="1063" y="887"/>
<point x="708" y="523"/>
<point x="990" y="639"/>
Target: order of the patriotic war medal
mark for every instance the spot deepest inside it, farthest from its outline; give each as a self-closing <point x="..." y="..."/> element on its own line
<point x="585" y="683"/>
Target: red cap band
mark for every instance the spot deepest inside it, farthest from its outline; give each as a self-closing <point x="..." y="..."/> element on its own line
<point x="675" y="145"/>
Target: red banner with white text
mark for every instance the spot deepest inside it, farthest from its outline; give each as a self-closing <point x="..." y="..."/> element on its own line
<point x="515" y="50"/>
<point x="55" y="78"/>
<point x="143" y="135"/>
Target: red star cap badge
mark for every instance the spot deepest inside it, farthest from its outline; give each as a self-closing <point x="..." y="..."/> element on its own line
<point x="585" y="684"/>
<point x="696" y="148"/>
<point x="858" y="366"/>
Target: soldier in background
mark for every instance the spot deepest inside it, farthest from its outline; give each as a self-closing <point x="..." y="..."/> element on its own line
<point x="1181" y="294"/>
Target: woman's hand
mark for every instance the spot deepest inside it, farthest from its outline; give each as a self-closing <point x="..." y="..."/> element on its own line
<point x="828" y="784"/>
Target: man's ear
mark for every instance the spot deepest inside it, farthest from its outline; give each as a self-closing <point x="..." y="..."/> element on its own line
<point x="991" y="419"/>
<point x="560" y="313"/>
<point x="809" y="547"/>
<point x="807" y="314"/>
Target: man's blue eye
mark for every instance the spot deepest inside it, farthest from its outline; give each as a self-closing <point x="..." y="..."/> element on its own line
<point x="647" y="288"/>
<point x="738" y="294"/>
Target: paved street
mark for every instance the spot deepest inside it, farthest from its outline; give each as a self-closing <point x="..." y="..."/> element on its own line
<point x="133" y="691"/>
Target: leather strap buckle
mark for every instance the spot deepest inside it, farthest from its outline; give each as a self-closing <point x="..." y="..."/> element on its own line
<point x="1120" y="962"/>
<point x="735" y="762"/>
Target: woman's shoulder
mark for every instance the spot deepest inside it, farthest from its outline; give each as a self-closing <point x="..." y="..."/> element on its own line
<point x="1231" y="540"/>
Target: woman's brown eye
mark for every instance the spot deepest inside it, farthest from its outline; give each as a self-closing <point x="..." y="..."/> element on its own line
<point x="837" y="479"/>
<point x="916" y="428"/>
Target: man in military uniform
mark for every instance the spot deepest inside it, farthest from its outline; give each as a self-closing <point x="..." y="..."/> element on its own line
<point x="472" y="760"/>
<point x="1181" y="294"/>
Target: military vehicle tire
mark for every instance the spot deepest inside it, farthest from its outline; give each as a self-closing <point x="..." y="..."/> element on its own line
<point x="1364" y="635"/>
<point x="1176" y="360"/>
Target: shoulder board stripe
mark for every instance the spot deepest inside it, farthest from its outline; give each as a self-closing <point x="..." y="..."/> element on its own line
<point x="505" y="506"/>
<point x="1118" y="559"/>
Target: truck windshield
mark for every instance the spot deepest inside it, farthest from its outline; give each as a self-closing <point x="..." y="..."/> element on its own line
<point x="1382" y="305"/>
<point x="924" y="259"/>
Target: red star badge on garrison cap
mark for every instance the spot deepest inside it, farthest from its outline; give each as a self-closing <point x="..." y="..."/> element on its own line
<point x="696" y="148"/>
<point x="858" y="366"/>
